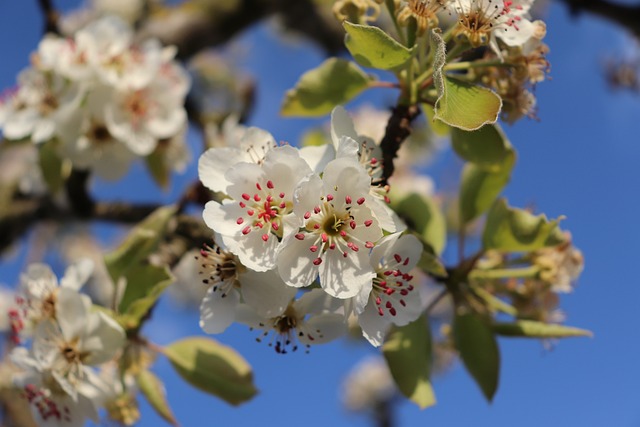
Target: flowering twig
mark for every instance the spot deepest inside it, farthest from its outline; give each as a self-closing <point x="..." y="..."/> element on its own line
<point x="398" y="129"/>
<point x="51" y="16"/>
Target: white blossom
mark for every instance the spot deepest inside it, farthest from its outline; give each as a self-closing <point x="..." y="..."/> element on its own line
<point x="259" y="213"/>
<point x="391" y="298"/>
<point x="314" y="318"/>
<point x="57" y="379"/>
<point x="39" y="290"/>
<point x="368" y="384"/>
<point x="338" y="230"/>
<point x="229" y="282"/>
<point x="249" y="145"/>
<point x="481" y="21"/>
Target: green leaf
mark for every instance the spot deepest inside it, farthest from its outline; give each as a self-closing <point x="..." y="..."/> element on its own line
<point x="372" y="47"/>
<point x="493" y="302"/>
<point x="158" y="168"/>
<point x="460" y="104"/>
<point x="334" y="82"/>
<point x="478" y="350"/>
<point x="466" y="106"/>
<point x="516" y="230"/>
<point x="153" y="390"/>
<point x="487" y="147"/>
<point x="213" y="368"/>
<point x="407" y="350"/>
<point x="479" y="187"/>
<point x="139" y="243"/>
<point x="533" y="329"/>
<point x="315" y="138"/>
<point x="437" y="127"/>
<point x="145" y="284"/>
<point x="424" y="216"/>
<point x="432" y="264"/>
<point x="51" y="166"/>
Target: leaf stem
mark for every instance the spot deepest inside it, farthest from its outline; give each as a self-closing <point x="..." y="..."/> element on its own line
<point x="391" y="7"/>
<point x="505" y="273"/>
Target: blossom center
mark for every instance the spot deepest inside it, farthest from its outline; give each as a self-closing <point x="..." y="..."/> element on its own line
<point x="391" y="286"/>
<point x="220" y="269"/>
<point x="264" y="210"/>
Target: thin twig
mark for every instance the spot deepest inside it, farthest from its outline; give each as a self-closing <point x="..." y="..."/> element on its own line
<point x="398" y="129"/>
<point x="50" y="15"/>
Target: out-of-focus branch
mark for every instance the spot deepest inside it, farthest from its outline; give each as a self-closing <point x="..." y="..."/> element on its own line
<point x="398" y="129"/>
<point x="50" y="15"/>
<point x="198" y="24"/>
<point x="627" y="16"/>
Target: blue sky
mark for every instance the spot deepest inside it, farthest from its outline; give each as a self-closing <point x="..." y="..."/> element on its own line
<point x="579" y="160"/>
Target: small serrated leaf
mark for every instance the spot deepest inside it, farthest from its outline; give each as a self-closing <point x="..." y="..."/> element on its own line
<point x="478" y="348"/>
<point x="424" y="216"/>
<point x="372" y="47"/>
<point x="488" y="147"/>
<point x="145" y="284"/>
<point x="466" y="106"/>
<point x="516" y="230"/>
<point x="407" y="350"/>
<point x="334" y="82"/>
<point x="213" y="368"/>
<point x="533" y="329"/>
<point x="155" y="393"/>
<point x="141" y="241"/>
<point x="480" y="187"/>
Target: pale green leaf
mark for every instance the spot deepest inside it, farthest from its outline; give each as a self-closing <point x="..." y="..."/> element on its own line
<point x="516" y="230"/>
<point x="478" y="348"/>
<point x="479" y="187"/>
<point x="437" y="127"/>
<point x="424" y="216"/>
<point x="407" y="350"/>
<point x="144" y="285"/>
<point x="372" y="47"/>
<point x="336" y="81"/>
<point x="432" y="264"/>
<point x="315" y="138"/>
<point x="488" y="147"/>
<point x="466" y="106"/>
<point x="158" y="168"/>
<point x="153" y="390"/>
<point x="460" y="104"/>
<point x="213" y="368"/>
<point x="533" y="329"/>
<point x="141" y="241"/>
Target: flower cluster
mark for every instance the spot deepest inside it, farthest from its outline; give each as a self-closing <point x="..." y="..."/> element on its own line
<point x="102" y="99"/>
<point x="68" y="340"/>
<point x="298" y="219"/>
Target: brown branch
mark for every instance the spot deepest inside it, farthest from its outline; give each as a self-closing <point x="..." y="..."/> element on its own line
<point x="51" y="16"/>
<point x="627" y="16"/>
<point x="198" y="24"/>
<point x="398" y="129"/>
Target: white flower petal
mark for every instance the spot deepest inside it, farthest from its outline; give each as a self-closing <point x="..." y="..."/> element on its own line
<point x="374" y="327"/>
<point x="213" y="165"/>
<point x="266" y="292"/>
<point x="295" y="265"/>
<point x="318" y="157"/>
<point x="72" y="310"/>
<point x="77" y="274"/>
<point x="344" y="277"/>
<point x="322" y="328"/>
<point x="341" y="125"/>
<point x="218" y="312"/>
